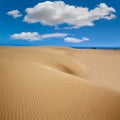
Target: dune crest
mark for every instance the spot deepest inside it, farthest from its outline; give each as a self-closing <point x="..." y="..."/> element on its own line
<point x="57" y="83"/>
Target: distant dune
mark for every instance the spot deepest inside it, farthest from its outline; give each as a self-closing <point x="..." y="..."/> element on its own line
<point x="57" y="83"/>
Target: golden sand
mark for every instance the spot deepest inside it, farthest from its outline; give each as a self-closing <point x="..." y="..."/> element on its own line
<point x="57" y="83"/>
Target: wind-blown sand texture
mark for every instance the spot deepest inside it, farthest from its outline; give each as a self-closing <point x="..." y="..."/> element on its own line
<point x="57" y="83"/>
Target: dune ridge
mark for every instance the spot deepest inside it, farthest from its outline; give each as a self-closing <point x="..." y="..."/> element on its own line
<point x="57" y="83"/>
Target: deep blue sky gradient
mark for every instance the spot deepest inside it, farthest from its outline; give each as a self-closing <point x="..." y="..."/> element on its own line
<point x="104" y="33"/>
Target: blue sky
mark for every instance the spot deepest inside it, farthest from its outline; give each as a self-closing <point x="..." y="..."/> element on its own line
<point x="77" y="23"/>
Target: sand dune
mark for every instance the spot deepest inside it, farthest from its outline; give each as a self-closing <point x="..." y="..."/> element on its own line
<point x="56" y="83"/>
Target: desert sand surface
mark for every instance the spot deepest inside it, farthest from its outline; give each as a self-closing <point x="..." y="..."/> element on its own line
<point x="58" y="83"/>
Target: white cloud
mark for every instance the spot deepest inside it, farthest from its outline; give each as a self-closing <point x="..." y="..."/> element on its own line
<point x="85" y="39"/>
<point x="56" y="13"/>
<point x="54" y="35"/>
<point x="75" y="40"/>
<point x="26" y="36"/>
<point x="14" y="13"/>
<point x="33" y="36"/>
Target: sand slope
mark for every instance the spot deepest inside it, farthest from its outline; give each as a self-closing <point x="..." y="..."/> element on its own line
<point x="55" y="83"/>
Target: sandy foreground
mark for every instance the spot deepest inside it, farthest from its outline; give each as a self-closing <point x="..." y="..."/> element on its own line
<point x="57" y="83"/>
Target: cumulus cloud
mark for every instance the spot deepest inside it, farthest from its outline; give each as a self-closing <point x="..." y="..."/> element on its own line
<point x="14" y="13"/>
<point x="33" y="36"/>
<point x="26" y="36"/>
<point x="57" y="13"/>
<point x="54" y="35"/>
<point x="75" y="40"/>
